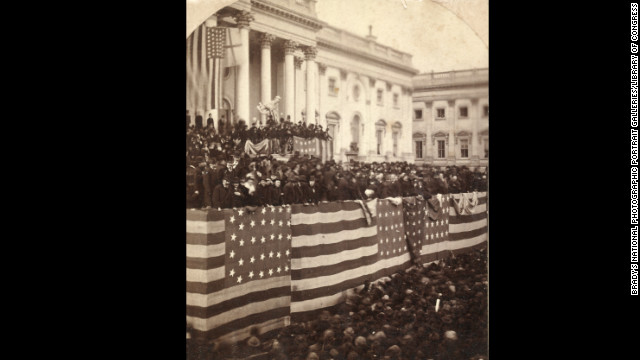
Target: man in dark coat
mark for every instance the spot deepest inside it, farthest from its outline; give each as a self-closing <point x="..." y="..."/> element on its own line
<point x="263" y="193"/>
<point x="198" y="121"/>
<point x="222" y="195"/>
<point x="277" y="193"/>
<point x="293" y="192"/>
<point x="221" y="125"/>
<point x="314" y="190"/>
<point x="238" y="194"/>
<point x="406" y="186"/>
<point x="342" y="188"/>
<point x="207" y="185"/>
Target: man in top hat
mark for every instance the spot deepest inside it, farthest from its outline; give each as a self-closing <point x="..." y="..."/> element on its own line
<point x="263" y="192"/>
<point x="277" y="193"/>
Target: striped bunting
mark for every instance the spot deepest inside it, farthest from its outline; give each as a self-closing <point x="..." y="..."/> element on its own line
<point x="235" y="280"/>
<point x="465" y="231"/>
<point x="198" y="69"/>
<point x="333" y="250"/>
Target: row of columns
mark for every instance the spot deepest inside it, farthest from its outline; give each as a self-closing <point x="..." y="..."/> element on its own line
<point x="243" y="19"/>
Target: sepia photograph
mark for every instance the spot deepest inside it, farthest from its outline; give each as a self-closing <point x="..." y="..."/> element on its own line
<point x="337" y="162"/>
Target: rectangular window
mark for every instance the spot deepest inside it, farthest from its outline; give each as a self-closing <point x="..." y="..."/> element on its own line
<point x="380" y="97"/>
<point x="464" y="148"/>
<point x="464" y="112"/>
<point x="395" y="100"/>
<point x="440" y="113"/>
<point x="419" y="149"/>
<point x="441" y="149"/>
<point x="332" y="86"/>
<point x="485" y="111"/>
<point x="379" y="142"/>
<point x="418" y="114"/>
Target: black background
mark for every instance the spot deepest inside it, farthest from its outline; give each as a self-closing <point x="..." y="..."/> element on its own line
<point x="107" y="181"/>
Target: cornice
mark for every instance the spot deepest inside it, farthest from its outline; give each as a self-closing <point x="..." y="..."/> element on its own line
<point x="350" y="50"/>
<point x="287" y="14"/>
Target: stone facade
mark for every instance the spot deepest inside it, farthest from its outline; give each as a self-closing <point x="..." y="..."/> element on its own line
<point x="451" y="118"/>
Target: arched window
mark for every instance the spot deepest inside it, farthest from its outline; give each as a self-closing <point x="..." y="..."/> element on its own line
<point x="356" y="93"/>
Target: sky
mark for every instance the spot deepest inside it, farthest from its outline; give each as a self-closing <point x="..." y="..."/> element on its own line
<point x="441" y="35"/>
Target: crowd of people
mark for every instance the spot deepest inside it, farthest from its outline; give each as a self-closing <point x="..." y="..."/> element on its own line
<point x="205" y="142"/>
<point x="239" y="180"/>
<point x="434" y="312"/>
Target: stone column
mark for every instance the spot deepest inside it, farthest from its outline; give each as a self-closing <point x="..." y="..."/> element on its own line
<point x="289" y="78"/>
<point x="451" y="119"/>
<point x="310" y="53"/>
<point x="298" y="90"/>
<point x="243" y="19"/>
<point x="427" y="117"/>
<point x="474" y="144"/>
<point x="265" y="71"/>
<point x="322" y="68"/>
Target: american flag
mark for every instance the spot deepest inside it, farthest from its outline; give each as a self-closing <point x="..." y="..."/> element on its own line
<point x="308" y="146"/>
<point x="238" y="271"/>
<point x="392" y="247"/>
<point x="415" y="226"/>
<point x="334" y="250"/>
<point x="469" y="229"/>
<point x="200" y="48"/>
<point x="215" y="42"/>
<point x="436" y="233"/>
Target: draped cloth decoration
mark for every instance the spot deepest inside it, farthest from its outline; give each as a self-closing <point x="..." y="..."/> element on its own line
<point x="260" y="148"/>
<point x="433" y="208"/>
<point x="465" y="203"/>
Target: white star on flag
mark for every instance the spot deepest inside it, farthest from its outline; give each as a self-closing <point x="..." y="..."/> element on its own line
<point x="239" y="279"/>
<point x="232" y="219"/>
<point x="279" y="269"/>
<point x="240" y="212"/>
<point x="286" y="268"/>
<point x="273" y="209"/>
<point x="232" y="254"/>
<point x="387" y="252"/>
<point x="437" y="236"/>
<point x="287" y="252"/>
<point x="241" y="242"/>
<point x="272" y="222"/>
<point x="394" y="251"/>
<point x="264" y="210"/>
<point x="252" y="260"/>
<point x="278" y="254"/>
<point x="233" y="237"/>
<point x="280" y="223"/>
<point x="280" y="210"/>
<point x="279" y="236"/>
<point x="232" y="272"/>
<point x="251" y="274"/>
<point x="381" y="241"/>
<point x="288" y="236"/>
<point x="261" y="274"/>
<point x="253" y="239"/>
<point x="263" y="222"/>
<point x="270" y="254"/>
<point x="262" y="256"/>
<point x="241" y="226"/>
<point x="241" y="262"/>
<point x="447" y="221"/>
<point x="270" y="271"/>
<point x="446" y="232"/>
<point x="253" y="223"/>
<point x="272" y="236"/>
<point x="262" y="240"/>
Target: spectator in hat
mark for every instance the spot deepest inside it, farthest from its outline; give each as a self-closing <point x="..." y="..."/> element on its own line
<point x="263" y="192"/>
<point x="238" y="194"/>
<point x="312" y="190"/>
<point x="454" y="185"/>
<point x="277" y="193"/>
<point x="207" y="185"/>
<point x="342" y="188"/>
<point x="293" y="192"/>
<point x="222" y="195"/>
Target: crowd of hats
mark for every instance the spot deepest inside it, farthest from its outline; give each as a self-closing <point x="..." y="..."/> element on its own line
<point x="205" y="143"/>
<point x="314" y="181"/>
<point x="435" y="312"/>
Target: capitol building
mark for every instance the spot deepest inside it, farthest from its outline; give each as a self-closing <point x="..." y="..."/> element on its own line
<point x="362" y="91"/>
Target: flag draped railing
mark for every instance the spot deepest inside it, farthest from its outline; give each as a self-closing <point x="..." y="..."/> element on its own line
<point x="265" y="267"/>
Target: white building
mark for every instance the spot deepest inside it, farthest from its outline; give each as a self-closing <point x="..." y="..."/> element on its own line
<point x="451" y="118"/>
<point x="360" y="89"/>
